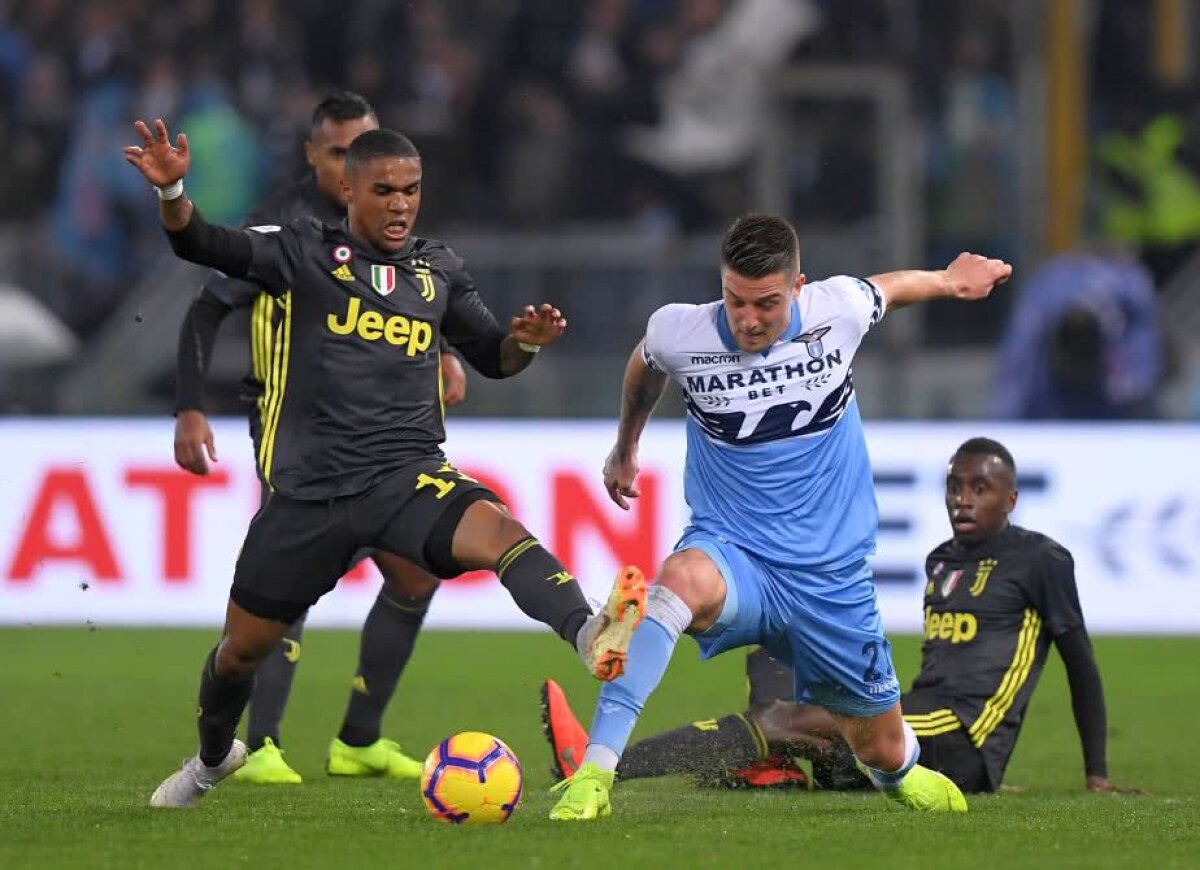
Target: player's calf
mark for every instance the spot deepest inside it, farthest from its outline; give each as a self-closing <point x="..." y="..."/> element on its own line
<point x="543" y="588"/>
<point x="907" y="784"/>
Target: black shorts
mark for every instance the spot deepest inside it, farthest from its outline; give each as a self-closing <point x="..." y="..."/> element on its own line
<point x="264" y="488"/>
<point x="295" y="551"/>
<point x="945" y="745"/>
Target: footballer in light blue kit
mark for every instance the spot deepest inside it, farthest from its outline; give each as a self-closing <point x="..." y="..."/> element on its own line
<point x="783" y="506"/>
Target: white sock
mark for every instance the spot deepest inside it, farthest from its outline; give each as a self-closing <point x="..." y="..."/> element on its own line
<point x="888" y="779"/>
<point x="601" y="756"/>
<point x="668" y="610"/>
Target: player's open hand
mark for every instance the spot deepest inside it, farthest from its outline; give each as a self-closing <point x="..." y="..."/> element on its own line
<point x="973" y="276"/>
<point x="540" y="326"/>
<point x="157" y="159"/>
<point x="193" y="440"/>
<point x="1104" y="785"/>
<point x="620" y="477"/>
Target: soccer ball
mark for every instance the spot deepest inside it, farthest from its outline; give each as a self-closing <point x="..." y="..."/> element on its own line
<point x="472" y="778"/>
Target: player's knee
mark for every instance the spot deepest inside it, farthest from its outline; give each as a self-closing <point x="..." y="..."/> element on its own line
<point x="485" y="534"/>
<point x="693" y="578"/>
<point x="239" y="659"/>
<point x="403" y="578"/>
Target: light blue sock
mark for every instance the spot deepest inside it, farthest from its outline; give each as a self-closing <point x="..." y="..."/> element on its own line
<point x="621" y="700"/>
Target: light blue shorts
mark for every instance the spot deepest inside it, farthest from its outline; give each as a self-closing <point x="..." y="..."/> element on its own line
<point x="825" y="624"/>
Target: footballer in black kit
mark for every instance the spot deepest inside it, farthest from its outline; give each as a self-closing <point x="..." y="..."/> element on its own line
<point x="353" y="426"/>
<point x="996" y="597"/>
<point x="394" y="620"/>
<point x="991" y="613"/>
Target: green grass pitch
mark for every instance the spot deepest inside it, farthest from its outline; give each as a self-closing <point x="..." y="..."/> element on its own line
<point x="92" y="720"/>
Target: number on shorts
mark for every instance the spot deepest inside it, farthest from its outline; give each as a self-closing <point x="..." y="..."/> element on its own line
<point x="439" y="483"/>
<point x="871" y="650"/>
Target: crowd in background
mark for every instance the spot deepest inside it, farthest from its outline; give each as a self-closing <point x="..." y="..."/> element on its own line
<point x="530" y="114"/>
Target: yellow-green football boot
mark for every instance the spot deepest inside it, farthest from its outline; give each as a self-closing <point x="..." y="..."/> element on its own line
<point x="928" y="791"/>
<point x="265" y="766"/>
<point x="382" y="758"/>
<point x="584" y="795"/>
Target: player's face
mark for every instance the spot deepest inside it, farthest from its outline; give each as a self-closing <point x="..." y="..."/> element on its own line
<point x="383" y="196"/>
<point x="758" y="309"/>
<point x="326" y="151"/>
<point x="980" y="494"/>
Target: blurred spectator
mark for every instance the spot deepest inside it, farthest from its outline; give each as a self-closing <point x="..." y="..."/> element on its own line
<point x="1084" y="342"/>
<point x="1161" y="213"/>
<point x="973" y="138"/>
<point x="224" y="177"/>
<point x="714" y="104"/>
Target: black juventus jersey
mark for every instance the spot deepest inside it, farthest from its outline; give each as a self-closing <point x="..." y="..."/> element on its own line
<point x="347" y="348"/>
<point x="990" y="614"/>
<point x="221" y="295"/>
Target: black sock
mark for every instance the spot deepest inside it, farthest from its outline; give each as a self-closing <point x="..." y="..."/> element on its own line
<point x="713" y="746"/>
<point x="222" y="700"/>
<point x="272" y="686"/>
<point x="543" y="588"/>
<point x="388" y="637"/>
<point x="835" y="769"/>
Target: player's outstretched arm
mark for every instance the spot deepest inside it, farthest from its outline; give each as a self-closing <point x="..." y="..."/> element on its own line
<point x="164" y="165"/>
<point x="529" y="333"/>
<point x="192" y="238"/>
<point x="643" y="388"/>
<point x="969" y="277"/>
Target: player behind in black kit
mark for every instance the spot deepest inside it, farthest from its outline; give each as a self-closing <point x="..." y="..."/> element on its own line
<point x="353" y="427"/>
<point x="393" y="622"/>
<point x="996" y="595"/>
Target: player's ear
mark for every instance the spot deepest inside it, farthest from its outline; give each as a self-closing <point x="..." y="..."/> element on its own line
<point x="1012" y="501"/>
<point x="310" y="153"/>
<point x="800" y="279"/>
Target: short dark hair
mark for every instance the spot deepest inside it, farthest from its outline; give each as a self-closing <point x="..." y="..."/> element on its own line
<point x="757" y="245"/>
<point x="988" y="447"/>
<point x="339" y="106"/>
<point x="379" y="143"/>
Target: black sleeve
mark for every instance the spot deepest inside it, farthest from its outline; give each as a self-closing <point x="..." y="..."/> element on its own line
<point x="1087" y="698"/>
<point x="1053" y="592"/>
<point x="196" y="338"/>
<point x="470" y="327"/>
<point x="266" y="255"/>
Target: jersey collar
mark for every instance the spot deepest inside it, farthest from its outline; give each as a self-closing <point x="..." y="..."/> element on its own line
<point x="726" y="334"/>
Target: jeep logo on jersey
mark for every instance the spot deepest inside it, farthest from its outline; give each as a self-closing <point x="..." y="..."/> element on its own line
<point x="383" y="279"/>
<point x="812" y="341"/>
<point x="415" y="336"/>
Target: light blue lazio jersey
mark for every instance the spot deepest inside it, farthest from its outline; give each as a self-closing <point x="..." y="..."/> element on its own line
<point x="776" y="459"/>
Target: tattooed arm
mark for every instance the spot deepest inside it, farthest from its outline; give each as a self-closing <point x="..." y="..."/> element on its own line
<point x="644" y="386"/>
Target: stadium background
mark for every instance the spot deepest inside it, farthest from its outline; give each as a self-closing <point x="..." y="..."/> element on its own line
<point x="590" y="153"/>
